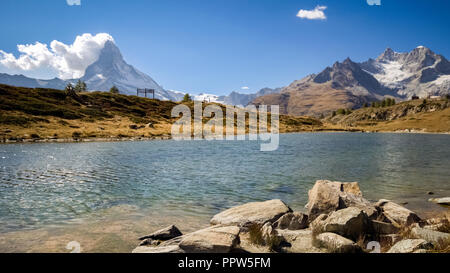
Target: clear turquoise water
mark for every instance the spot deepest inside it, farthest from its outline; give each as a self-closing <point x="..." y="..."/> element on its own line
<point x="48" y="184"/>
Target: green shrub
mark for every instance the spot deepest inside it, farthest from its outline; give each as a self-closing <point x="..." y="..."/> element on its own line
<point x="76" y="135"/>
<point x="186" y="98"/>
<point x="114" y="90"/>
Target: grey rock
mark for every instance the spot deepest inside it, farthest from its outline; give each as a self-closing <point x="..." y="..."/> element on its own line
<point x="292" y="221"/>
<point x="350" y="222"/>
<point x="167" y="233"/>
<point x="255" y="212"/>
<point x="410" y="246"/>
<point x="216" y="239"/>
<point x="434" y="237"/>
<point x="397" y="214"/>
<point x="328" y="196"/>
<point x="336" y="243"/>
<point x="441" y="201"/>
<point x="159" y="249"/>
<point x="267" y="232"/>
<point x="298" y="241"/>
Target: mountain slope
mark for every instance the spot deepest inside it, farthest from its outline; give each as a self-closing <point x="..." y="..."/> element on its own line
<point x="349" y="84"/>
<point x="431" y="115"/>
<point x="50" y="115"/>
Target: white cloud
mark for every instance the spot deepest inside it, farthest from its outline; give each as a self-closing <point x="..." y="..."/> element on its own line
<point x="374" y="2"/>
<point x="245" y="88"/>
<point x="315" y="14"/>
<point x="68" y="61"/>
<point x="74" y="2"/>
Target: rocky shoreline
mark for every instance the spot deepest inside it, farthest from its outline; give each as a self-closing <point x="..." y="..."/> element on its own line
<point x="339" y="220"/>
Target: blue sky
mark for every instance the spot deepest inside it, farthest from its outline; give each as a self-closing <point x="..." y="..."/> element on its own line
<point x="217" y="46"/>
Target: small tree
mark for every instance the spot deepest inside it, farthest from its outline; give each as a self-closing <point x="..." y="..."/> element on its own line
<point x="80" y="86"/>
<point x="366" y="105"/>
<point x="333" y="114"/>
<point x="114" y="90"/>
<point x="340" y="112"/>
<point x="69" y="88"/>
<point x="186" y="98"/>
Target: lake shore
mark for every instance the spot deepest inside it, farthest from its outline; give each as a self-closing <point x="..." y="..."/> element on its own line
<point x="168" y="137"/>
<point x="338" y="220"/>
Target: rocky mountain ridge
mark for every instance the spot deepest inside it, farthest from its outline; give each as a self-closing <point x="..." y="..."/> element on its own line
<point x="349" y="84"/>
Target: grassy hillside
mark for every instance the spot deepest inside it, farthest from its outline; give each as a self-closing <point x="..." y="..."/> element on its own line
<point x="417" y="115"/>
<point x="38" y="114"/>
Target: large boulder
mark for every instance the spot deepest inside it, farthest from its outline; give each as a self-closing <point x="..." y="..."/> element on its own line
<point x="350" y="222"/>
<point x="434" y="237"/>
<point x="216" y="239"/>
<point x="164" y="234"/>
<point x="255" y="212"/>
<point x="336" y="243"/>
<point x="292" y="221"/>
<point x="396" y="214"/>
<point x="328" y="196"/>
<point x="410" y="246"/>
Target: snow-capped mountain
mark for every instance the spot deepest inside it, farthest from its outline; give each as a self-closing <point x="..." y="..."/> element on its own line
<point x="235" y="98"/>
<point x="207" y="98"/>
<point x="110" y="69"/>
<point x="420" y="72"/>
<point x="348" y="84"/>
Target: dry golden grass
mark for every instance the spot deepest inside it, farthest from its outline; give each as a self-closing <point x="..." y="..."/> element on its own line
<point x="47" y="114"/>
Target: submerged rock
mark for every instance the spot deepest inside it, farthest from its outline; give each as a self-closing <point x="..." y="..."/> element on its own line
<point x="397" y="214"/>
<point x="164" y="234"/>
<point x="292" y="221"/>
<point x="441" y="201"/>
<point x="255" y="212"/>
<point x="410" y="246"/>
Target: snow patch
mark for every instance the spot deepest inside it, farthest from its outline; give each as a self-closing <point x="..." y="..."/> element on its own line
<point x="442" y="79"/>
<point x="392" y="74"/>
